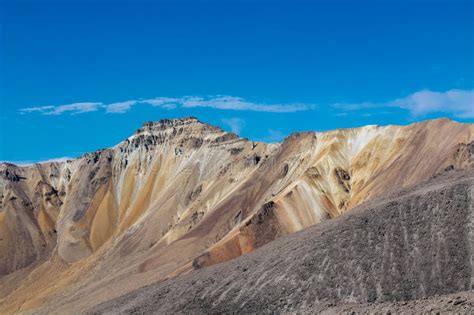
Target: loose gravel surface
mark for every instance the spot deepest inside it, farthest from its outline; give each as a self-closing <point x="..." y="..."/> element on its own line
<point x="457" y="303"/>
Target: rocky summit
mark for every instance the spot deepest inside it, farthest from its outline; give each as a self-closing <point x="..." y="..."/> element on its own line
<point x="185" y="217"/>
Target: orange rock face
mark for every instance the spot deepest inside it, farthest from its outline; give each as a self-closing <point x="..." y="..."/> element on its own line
<point x="180" y="194"/>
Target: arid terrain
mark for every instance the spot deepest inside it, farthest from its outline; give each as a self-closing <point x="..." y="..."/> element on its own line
<point x="140" y="226"/>
<point x="406" y="245"/>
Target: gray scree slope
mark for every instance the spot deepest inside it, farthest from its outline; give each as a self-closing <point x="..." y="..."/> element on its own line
<point x="415" y="243"/>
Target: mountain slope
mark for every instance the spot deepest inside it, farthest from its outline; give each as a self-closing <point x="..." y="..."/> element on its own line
<point x="411" y="244"/>
<point x="180" y="194"/>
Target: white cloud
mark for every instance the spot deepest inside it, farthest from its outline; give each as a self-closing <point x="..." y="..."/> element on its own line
<point x="164" y="102"/>
<point x="216" y="102"/>
<point x="459" y="103"/>
<point x="75" y="108"/>
<point x="120" y="107"/>
<point x="235" y="124"/>
<point x="237" y="103"/>
<point x="36" y="109"/>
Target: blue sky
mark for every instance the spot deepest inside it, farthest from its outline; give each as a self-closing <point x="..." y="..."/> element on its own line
<point x="79" y="76"/>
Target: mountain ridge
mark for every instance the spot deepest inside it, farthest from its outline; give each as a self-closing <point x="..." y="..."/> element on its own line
<point x="164" y="121"/>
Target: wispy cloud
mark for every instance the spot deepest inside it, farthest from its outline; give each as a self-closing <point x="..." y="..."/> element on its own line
<point x="235" y="124"/>
<point x="164" y="102"/>
<point x="238" y="103"/>
<point x="120" y="107"/>
<point x="216" y="102"/>
<point x="36" y="109"/>
<point x="459" y="103"/>
<point x="75" y="108"/>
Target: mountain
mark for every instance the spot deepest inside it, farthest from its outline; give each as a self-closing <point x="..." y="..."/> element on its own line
<point x="406" y="245"/>
<point x="180" y="195"/>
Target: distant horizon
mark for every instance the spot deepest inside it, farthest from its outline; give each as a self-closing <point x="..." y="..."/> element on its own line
<point x="78" y="75"/>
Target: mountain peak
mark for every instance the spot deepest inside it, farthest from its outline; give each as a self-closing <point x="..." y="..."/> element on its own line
<point x="173" y="122"/>
<point x="185" y="122"/>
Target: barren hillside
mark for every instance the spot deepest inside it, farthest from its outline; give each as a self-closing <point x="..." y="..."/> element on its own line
<point x="412" y="244"/>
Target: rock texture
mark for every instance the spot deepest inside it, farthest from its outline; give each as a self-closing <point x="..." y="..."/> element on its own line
<point x="412" y="244"/>
<point x="180" y="195"/>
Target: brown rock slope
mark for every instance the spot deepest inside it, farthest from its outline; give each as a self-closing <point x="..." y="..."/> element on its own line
<point x="180" y="194"/>
<point x="413" y="244"/>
